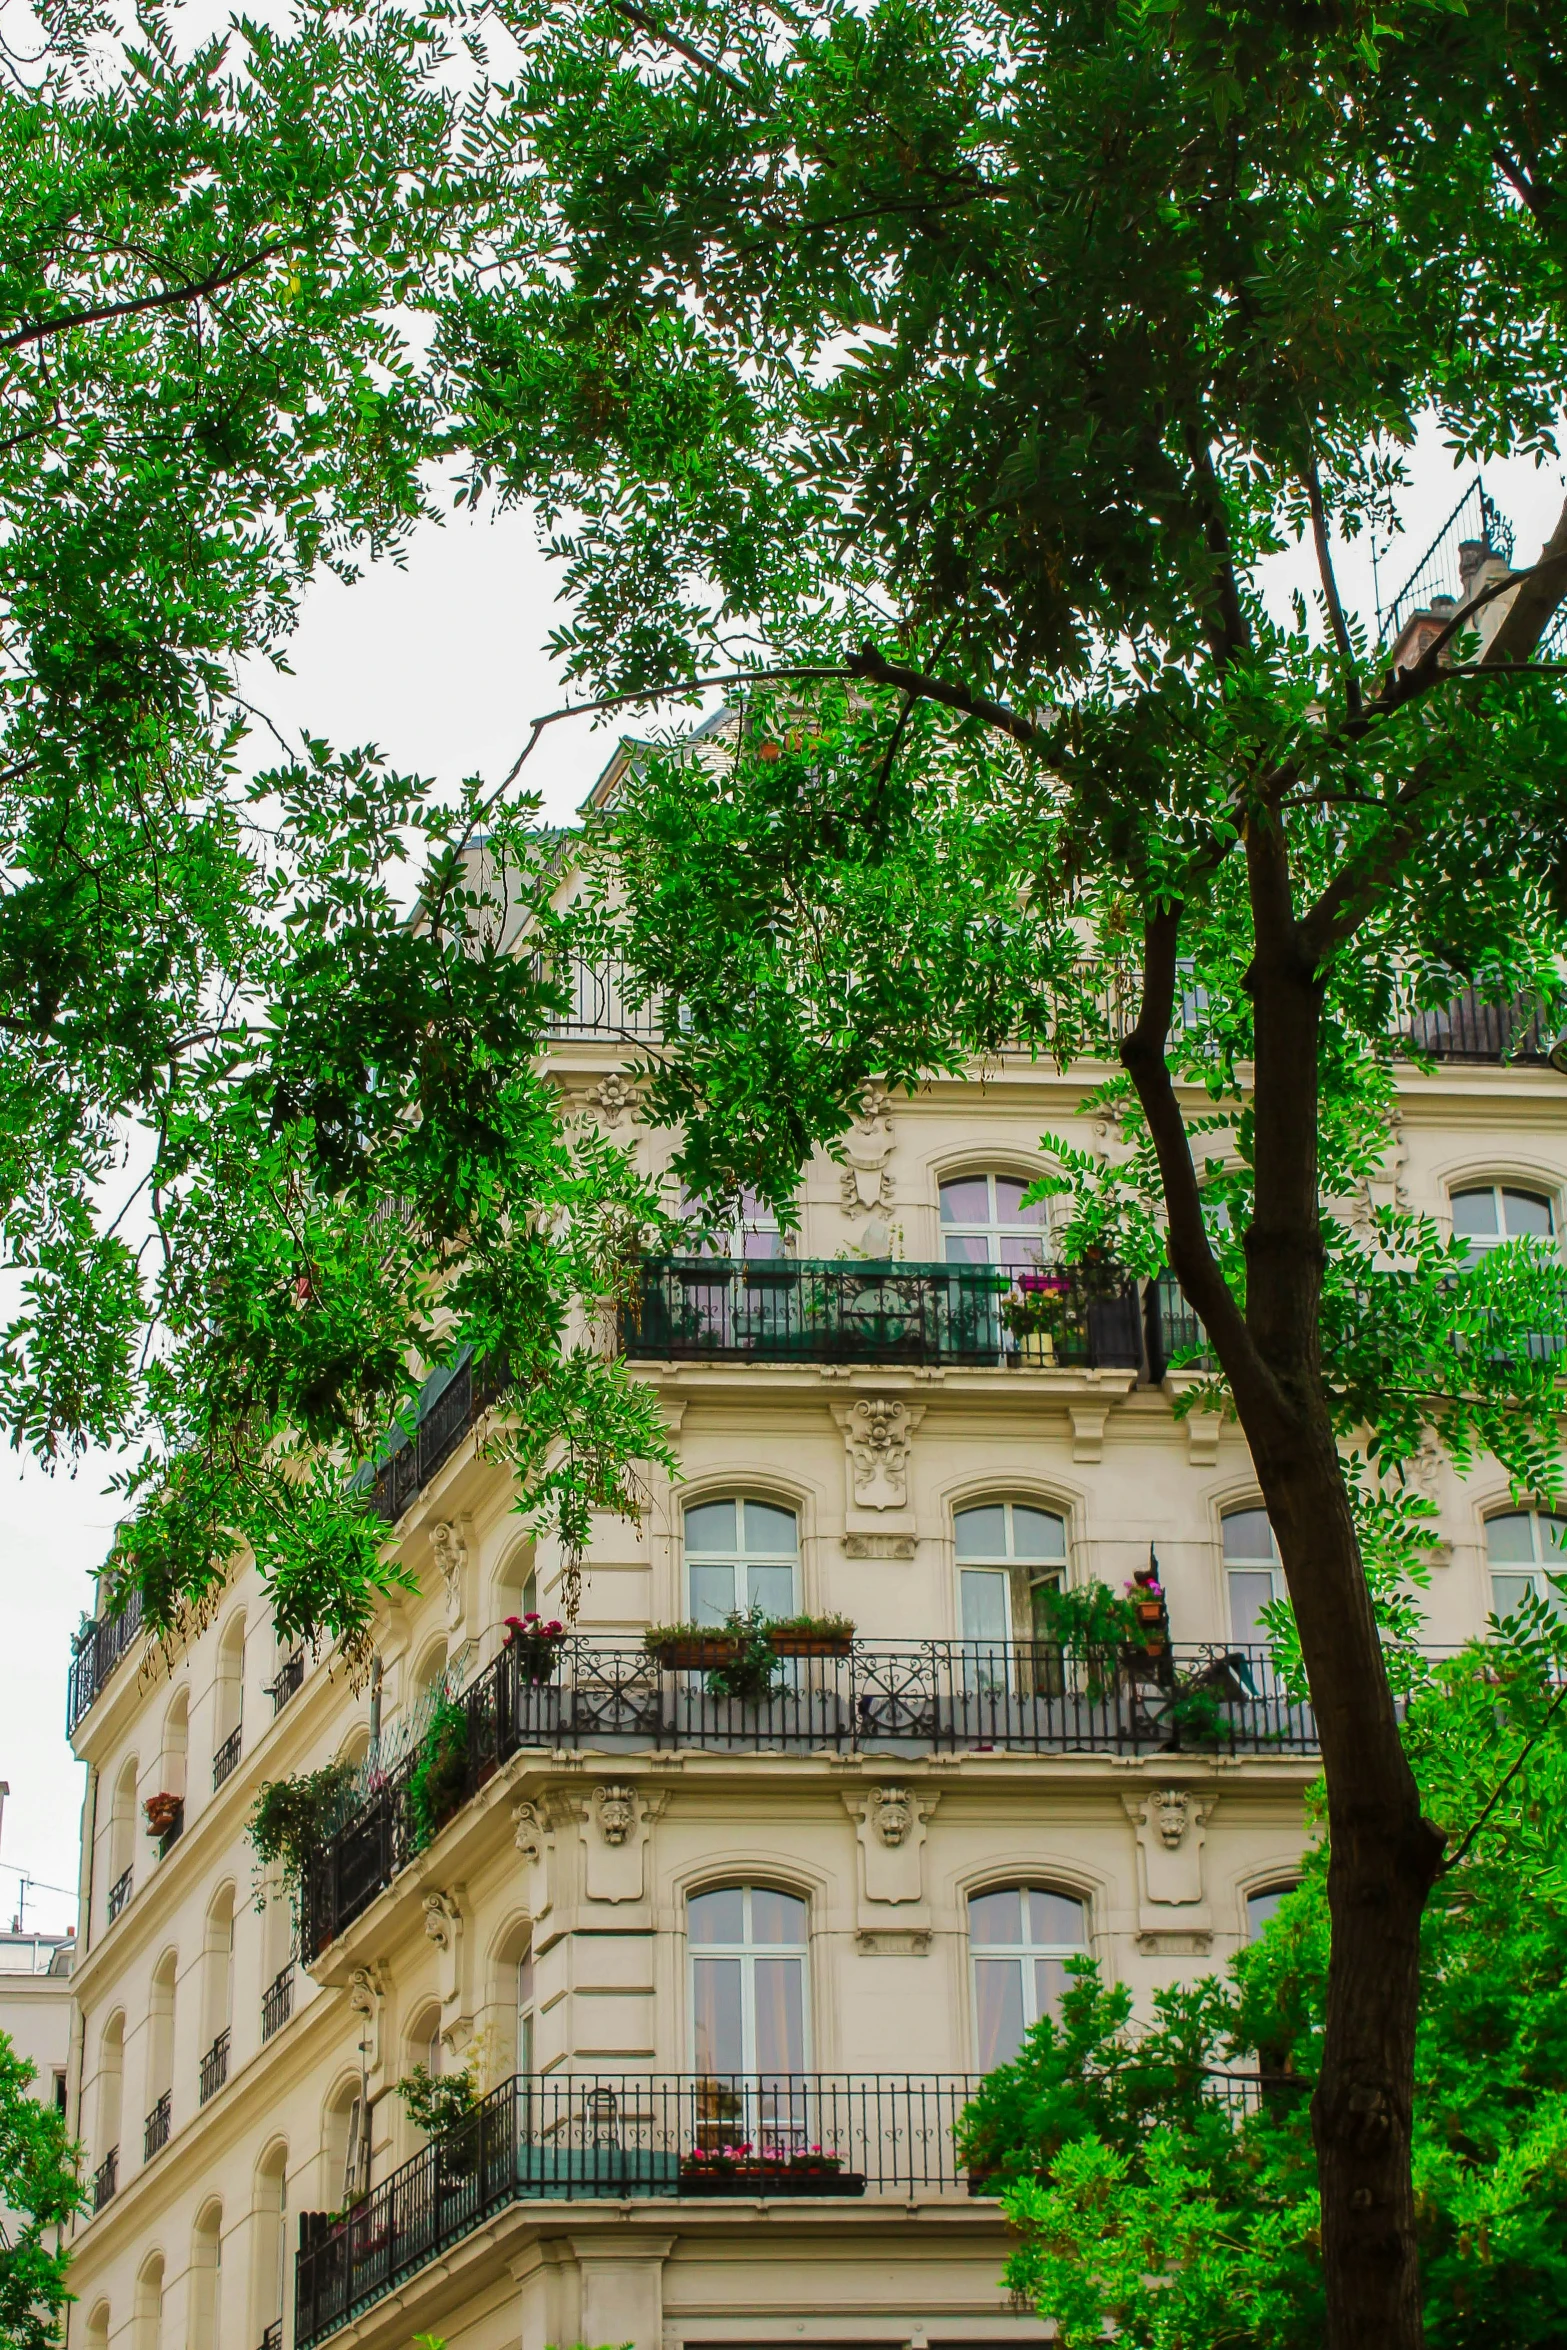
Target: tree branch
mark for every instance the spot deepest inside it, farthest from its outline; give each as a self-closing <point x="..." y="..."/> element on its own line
<point x="682" y="48"/>
<point x="869" y="664"/>
<point x="1533" y="607"/>
<point x="1340" y="627"/>
<point x="1502" y="1785"/>
<point x="127" y="309"/>
<point x="1143" y="1057"/>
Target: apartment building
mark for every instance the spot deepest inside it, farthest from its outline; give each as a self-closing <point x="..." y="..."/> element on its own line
<point x="728" y="1954"/>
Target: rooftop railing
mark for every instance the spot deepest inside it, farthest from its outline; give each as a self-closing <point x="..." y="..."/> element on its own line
<point x="573" y="2138"/>
<point x="96" y="1650"/>
<point x="913" y="1698"/>
<point x="814" y="1310"/>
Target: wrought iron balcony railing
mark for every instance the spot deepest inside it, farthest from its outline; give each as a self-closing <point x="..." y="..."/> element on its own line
<point x="931" y="1696"/>
<point x="572" y="2138"/>
<point x="155" y="2130"/>
<point x="96" y="1650"/>
<point x="106" y="2178"/>
<point x="214" y="2067"/>
<point x="812" y="1310"/>
<point x="227" y="1757"/>
<point x="277" y="2001"/>
<point x="290" y="1678"/>
<point x="450" y="1403"/>
<point x="120" y="1893"/>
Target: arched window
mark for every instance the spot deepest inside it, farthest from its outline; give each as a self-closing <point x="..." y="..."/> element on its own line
<point x="1524" y="1547"/>
<point x="1252" y="1570"/>
<point x="1485" y="1214"/>
<point x="345" y="2145"/>
<point x="122" y="1838"/>
<point x="111" y="2086"/>
<point x="739" y="1555"/>
<point x="271" y="2240"/>
<point x="517" y="1585"/>
<point x="160" y="2054"/>
<point x="748" y="2007"/>
<point x="1262" y="1907"/>
<point x="1021" y="1938"/>
<point x="217" y="1992"/>
<point x="206" y="2261"/>
<point x="231" y="1679"/>
<point x="983" y="1221"/>
<point x="525" y="2013"/>
<point x="750" y="1232"/>
<point x="176" y="1741"/>
<point x="148" y="2305"/>
<point x="98" y="2327"/>
<point x="1010" y="1554"/>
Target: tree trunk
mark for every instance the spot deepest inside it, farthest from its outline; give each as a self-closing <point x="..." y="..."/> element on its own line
<point x="1384" y="1856"/>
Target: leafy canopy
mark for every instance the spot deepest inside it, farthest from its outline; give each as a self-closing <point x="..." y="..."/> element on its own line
<point x="40" y="2190"/>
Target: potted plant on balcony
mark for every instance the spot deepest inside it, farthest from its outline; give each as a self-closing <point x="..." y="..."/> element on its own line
<point x="445" y="2106"/>
<point x="536" y="1646"/>
<point x="689" y="1648"/>
<point x="439" y="1779"/>
<point x="163" y="1814"/>
<point x="292" y="1819"/>
<point x="748" y="1674"/>
<point x="811" y="1636"/>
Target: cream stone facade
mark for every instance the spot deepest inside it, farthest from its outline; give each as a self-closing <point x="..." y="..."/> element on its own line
<point x="672" y="1922"/>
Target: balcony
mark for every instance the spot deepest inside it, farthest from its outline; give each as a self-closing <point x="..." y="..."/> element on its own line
<point x="119" y="1893"/>
<point x="155" y="2130"/>
<point x="226" y="1759"/>
<point x="814" y="1310"/>
<point x="290" y="1678"/>
<point x="214" y="2067"/>
<point x="277" y="2001"/>
<point x="571" y="2138"/>
<point x="105" y="2179"/>
<point x="450" y="1403"/>
<point x="95" y="1652"/>
<point x="917" y="1697"/>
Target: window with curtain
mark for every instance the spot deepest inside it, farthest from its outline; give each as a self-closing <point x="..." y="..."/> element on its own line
<point x="1485" y="1214"/>
<point x="751" y="1233"/>
<point x="1009" y="1553"/>
<point x="741" y="1554"/>
<point x="748" y="1948"/>
<point x="983" y="1222"/>
<point x="1021" y="1939"/>
<point x="525" y="2012"/>
<point x="1525" y="1547"/>
<point x="1252" y="1571"/>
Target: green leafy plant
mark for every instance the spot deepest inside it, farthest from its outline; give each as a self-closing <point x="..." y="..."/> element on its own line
<point x="41" y="2191"/>
<point x="438" y="1780"/>
<point x="439" y="2103"/>
<point x="749" y="1674"/>
<point x="823" y="1627"/>
<point x="292" y="1818"/>
<point x="1089" y="1619"/>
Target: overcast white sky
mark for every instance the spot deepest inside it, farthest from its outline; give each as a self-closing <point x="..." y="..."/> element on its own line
<point x="441" y="664"/>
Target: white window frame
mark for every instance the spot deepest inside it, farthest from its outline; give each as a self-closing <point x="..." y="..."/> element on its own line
<point x="994" y="1229"/>
<point x="748" y="1951"/>
<point x="1238" y="1565"/>
<point x="741" y="1559"/>
<point x="1008" y="1564"/>
<point x="1021" y="1954"/>
<point x="1533" y="1571"/>
<point x="1501" y="1187"/>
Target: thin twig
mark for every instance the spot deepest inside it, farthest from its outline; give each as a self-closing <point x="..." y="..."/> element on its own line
<point x="1453" y="1859"/>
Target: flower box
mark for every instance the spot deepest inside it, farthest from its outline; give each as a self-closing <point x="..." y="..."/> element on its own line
<point x="768" y="2178"/>
<point x="790" y="1640"/>
<point x="693" y="1652"/>
<point x="536" y="1646"/>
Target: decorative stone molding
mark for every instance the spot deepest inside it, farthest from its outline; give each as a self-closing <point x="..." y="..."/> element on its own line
<point x="615" y="1809"/>
<point x="1171" y="1828"/>
<point x="613" y="1101"/>
<point x="366" y="1998"/>
<point x="865" y="1183"/>
<point x="890" y="1826"/>
<point x="878" y="1546"/>
<point x="451" y="1558"/>
<point x="443" y="1925"/>
<point x="1156" y="1945"/>
<point x="893" y="1942"/>
<point x="1088" y="1430"/>
<point x="527" y="1830"/>
<point x="878" y="1433"/>
<point x="1202" y="1439"/>
<point x="614" y="1826"/>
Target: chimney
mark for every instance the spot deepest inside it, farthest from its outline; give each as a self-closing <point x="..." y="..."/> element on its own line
<point x="1472" y="555"/>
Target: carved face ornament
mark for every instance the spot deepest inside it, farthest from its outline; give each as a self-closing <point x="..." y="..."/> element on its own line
<point x="1172" y="1809"/>
<point x="616" y="1812"/>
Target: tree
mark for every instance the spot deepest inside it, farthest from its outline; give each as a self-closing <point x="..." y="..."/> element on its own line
<point x="950" y="371"/>
<point x="1142" y="2196"/>
<point x="39" y="2192"/>
<point x="269" y="1149"/>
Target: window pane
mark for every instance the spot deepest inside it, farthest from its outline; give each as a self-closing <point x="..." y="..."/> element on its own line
<point x="718" y="1916"/>
<point x="966" y="1248"/>
<point x="1474" y="1212"/>
<point x="780" y="2015"/>
<point x="1250" y="1592"/>
<point x="1510" y="1536"/>
<point x="1055" y="1917"/>
<point x="710" y="1525"/>
<point x="771" y="1589"/>
<point x="1037" y="1534"/>
<point x="981" y="1533"/>
<point x="770" y="1530"/>
<point x="1009" y="1207"/>
<point x="1527" y="1215"/>
<point x="987" y="1605"/>
<point x="995" y="1917"/>
<point x="720" y="2044"/>
<point x="1018" y="1251"/>
<point x="755" y="1246"/>
<point x="1051" y="1982"/>
<point x="965" y="1202"/>
<point x="1553" y="1542"/>
<point x="712" y="1594"/>
<point x="1039" y="1616"/>
<point x="1248" y="1535"/>
<point x="1260" y="1907"/>
<point x="777" y="1917"/>
<point x="998" y="2010"/>
<point x="1509" y="1592"/>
